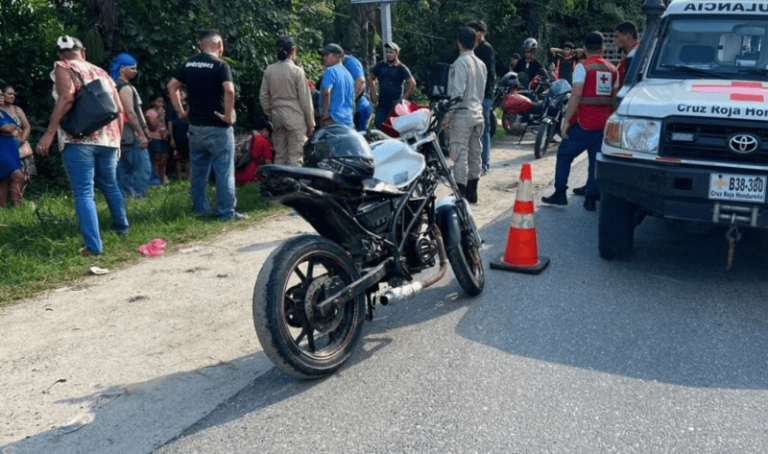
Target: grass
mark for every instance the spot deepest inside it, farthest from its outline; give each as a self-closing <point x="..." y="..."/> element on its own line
<point x="40" y="243"/>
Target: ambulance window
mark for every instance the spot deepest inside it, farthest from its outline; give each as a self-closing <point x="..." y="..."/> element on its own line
<point x="740" y="49"/>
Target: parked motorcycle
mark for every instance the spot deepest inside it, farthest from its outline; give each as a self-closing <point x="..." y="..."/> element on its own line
<point x="555" y="102"/>
<point x="522" y="108"/>
<point x="379" y="223"/>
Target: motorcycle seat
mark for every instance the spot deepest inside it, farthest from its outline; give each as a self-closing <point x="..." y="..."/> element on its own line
<point x="308" y="173"/>
<point x="302" y="173"/>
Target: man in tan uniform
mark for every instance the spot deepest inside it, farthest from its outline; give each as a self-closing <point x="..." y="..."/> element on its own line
<point x="466" y="79"/>
<point x="286" y="100"/>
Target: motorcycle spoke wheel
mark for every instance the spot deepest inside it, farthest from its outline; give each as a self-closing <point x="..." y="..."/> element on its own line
<point x="300" y="337"/>
<point x="467" y="262"/>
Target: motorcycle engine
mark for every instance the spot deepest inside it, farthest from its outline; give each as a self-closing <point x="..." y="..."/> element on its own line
<point x="374" y="215"/>
<point x="421" y="251"/>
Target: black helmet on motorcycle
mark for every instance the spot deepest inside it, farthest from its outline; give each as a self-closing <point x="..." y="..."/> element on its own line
<point x="530" y="44"/>
<point x="509" y="81"/>
<point x="339" y="149"/>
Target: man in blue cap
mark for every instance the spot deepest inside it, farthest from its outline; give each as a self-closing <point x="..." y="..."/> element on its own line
<point x="134" y="170"/>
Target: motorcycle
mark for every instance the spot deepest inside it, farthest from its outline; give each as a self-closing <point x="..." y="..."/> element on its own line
<point x="555" y="102"/>
<point x="522" y="108"/>
<point x="379" y="223"/>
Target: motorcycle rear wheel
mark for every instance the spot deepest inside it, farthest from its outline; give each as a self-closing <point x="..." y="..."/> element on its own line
<point x="466" y="261"/>
<point x="300" y="339"/>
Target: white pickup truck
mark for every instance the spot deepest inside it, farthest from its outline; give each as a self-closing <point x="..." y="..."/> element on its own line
<point x="689" y="139"/>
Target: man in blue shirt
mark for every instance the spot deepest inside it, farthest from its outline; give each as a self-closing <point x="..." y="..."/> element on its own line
<point x="362" y="105"/>
<point x="337" y="90"/>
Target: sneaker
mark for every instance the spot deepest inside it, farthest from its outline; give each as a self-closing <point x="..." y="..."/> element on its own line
<point x="238" y="217"/>
<point x="557" y="198"/>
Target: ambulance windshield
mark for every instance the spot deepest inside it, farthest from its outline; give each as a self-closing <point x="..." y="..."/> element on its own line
<point x="719" y="48"/>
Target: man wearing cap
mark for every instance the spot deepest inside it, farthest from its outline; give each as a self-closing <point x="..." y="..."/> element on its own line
<point x="86" y="159"/>
<point x="484" y="51"/>
<point x="134" y="169"/>
<point x="595" y="82"/>
<point x="391" y="74"/>
<point x="337" y="90"/>
<point x="466" y="79"/>
<point x="287" y="101"/>
<point x="211" y="95"/>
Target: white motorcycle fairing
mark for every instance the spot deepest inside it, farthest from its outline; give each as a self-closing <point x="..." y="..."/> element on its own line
<point x="396" y="162"/>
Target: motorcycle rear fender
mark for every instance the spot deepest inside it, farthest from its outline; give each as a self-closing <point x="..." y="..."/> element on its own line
<point x="448" y="221"/>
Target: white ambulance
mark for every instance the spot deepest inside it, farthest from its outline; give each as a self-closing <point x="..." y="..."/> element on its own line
<point x="689" y="140"/>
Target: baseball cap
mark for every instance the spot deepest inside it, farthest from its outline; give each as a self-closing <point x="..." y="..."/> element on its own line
<point x="285" y="43"/>
<point x="392" y="46"/>
<point x="594" y="40"/>
<point x="331" y="49"/>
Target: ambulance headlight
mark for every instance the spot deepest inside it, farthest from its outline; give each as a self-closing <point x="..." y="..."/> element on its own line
<point x="633" y="134"/>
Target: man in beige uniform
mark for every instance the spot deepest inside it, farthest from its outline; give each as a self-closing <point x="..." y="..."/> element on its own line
<point x="286" y="100"/>
<point x="467" y="80"/>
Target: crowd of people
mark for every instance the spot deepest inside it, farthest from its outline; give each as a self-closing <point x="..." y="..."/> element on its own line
<point x="194" y="138"/>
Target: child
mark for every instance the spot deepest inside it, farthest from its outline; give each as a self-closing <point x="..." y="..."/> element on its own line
<point x="158" y="135"/>
<point x="260" y="151"/>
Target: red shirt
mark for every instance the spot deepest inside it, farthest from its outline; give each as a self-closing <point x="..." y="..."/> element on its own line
<point x="261" y="153"/>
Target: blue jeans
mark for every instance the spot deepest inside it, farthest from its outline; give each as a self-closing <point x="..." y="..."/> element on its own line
<point x="362" y="116"/>
<point x="486" y="139"/>
<point x="84" y="164"/>
<point x="134" y="170"/>
<point x="213" y="147"/>
<point x="382" y="110"/>
<point x="577" y="142"/>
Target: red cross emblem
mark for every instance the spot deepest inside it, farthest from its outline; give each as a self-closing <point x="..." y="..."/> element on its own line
<point x="604" y="79"/>
<point x="738" y="91"/>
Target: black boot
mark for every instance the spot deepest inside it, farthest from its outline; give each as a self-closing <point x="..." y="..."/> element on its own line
<point x="589" y="202"/>
<point x="581" y="191"/>
<point x="558" y="198"/>
<point x="472" y="190"/>
<point x="462" y="189"/>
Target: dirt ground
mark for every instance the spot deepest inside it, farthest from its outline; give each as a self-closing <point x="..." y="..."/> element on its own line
<point x="63" y="351"/>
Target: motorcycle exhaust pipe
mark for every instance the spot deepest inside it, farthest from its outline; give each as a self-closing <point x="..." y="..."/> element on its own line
<point x="406" y="292"/>
<point x="400" y="294"/>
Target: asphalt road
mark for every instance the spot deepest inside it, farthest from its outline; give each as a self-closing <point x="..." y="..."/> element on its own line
<point x="664" y="352"/>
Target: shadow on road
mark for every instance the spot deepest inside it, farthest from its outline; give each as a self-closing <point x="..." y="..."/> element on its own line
<point x="670" y="313"/>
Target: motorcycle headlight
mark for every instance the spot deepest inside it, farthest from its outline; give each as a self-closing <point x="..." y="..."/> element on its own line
<point x="635" y="134"/>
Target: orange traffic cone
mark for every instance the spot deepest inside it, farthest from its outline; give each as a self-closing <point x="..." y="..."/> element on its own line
<point x="521" y="254"/>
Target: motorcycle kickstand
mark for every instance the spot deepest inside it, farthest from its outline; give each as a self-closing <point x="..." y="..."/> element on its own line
<point x="369" y="312"/>
<point x="732" y="236"/>
<point x="525" y="130"/>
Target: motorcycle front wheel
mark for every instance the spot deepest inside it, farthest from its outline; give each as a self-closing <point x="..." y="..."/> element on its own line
<point x="301" y="338"/>
<point x="544" y="136"/>
<point x="465" y="259"/>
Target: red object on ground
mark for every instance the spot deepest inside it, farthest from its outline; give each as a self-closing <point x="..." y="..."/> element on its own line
<point x="521" y="253"/>
<point x="515" y="103"/>
<point x="154" y="248"/>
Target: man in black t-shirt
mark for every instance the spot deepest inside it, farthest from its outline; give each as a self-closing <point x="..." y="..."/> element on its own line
<point x="566" y="60"/>
<point x="484" y="51"/>
<point x="527" y="69"/>
<point x="211" y="97"/>
<point x="390" y="74"/>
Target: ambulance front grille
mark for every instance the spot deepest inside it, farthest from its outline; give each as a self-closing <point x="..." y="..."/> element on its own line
<point x="710" y="140"/>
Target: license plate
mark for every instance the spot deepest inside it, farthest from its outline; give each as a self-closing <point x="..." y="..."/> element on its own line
<point x="737" y="188"/>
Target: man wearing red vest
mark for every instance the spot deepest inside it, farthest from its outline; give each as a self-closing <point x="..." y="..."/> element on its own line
<point x="595" y="82"/>
<point x="626" y="39"/>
